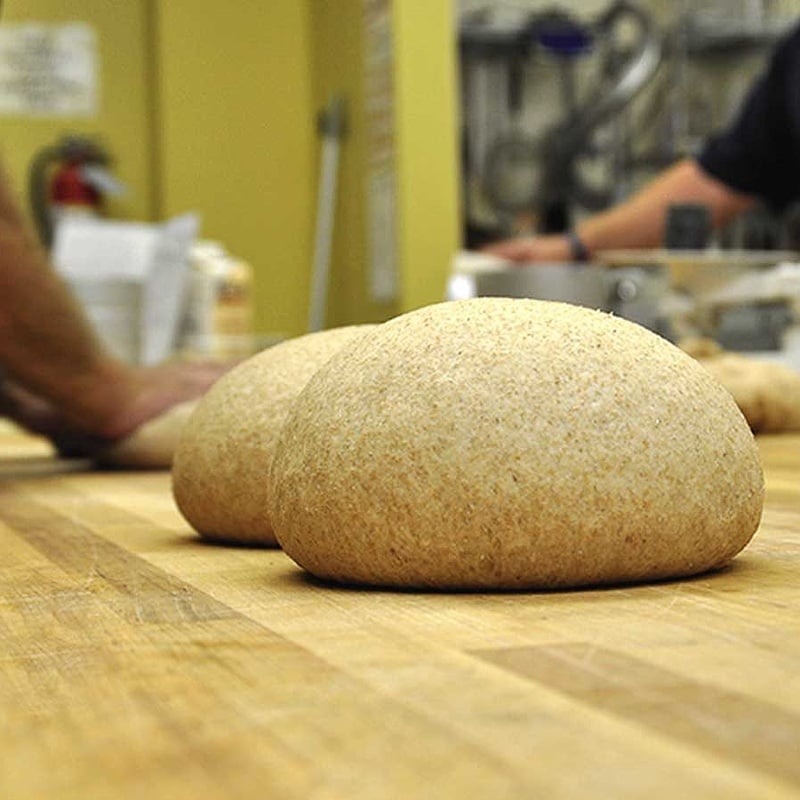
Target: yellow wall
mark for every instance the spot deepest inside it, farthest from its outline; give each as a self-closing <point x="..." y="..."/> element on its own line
<point x="212" y="107"/>
<point x="428" y="199"/>
<point x="338" y="68"/>
<point x="123" y="119"/>
<point x="240" y="86"/>
<point x="236" y="143"/>
<point x="426" y="151"/>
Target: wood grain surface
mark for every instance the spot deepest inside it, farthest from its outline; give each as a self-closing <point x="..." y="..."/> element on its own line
<point x="138" y="662"/>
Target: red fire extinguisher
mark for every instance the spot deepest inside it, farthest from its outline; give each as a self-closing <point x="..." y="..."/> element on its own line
<point x="70" y="189"/>
<point x="71" y="176"/>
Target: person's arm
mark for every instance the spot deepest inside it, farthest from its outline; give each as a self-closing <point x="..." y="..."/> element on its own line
<point x="636" y="223"/>
<point x="45" y="342"/>
<point x="49" y="350"/>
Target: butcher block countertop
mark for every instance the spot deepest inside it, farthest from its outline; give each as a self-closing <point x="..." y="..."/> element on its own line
<point x="138" y="662"/>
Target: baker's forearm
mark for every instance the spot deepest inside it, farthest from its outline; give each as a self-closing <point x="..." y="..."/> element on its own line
<point x="640" y="221"/>
<point x="46" y="343"/>
<point x="636" y="223"/>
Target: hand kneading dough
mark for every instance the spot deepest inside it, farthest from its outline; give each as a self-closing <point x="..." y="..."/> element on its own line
<point x="152" y="445"/>
<point x="219" y="476"/>
<point x="507" y="444"/>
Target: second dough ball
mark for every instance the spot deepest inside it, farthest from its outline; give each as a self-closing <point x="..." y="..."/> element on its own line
<point x="222" y="462"/>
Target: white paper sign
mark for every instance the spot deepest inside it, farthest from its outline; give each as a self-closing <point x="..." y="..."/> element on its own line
<point x="48" y="70"/>
<point x="131" y="278"/>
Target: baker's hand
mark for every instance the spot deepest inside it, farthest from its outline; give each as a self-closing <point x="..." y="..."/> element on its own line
<point x="39" y="417"/>
<point x="156" y="389"/>
<point x="149" y="393"/>
<point x="532" y="249"/>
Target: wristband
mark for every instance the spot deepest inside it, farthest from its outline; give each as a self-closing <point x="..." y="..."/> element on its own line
<point x="577" y="248"/>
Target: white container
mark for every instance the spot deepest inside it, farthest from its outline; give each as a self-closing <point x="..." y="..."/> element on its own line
<point x="218" y="322"/>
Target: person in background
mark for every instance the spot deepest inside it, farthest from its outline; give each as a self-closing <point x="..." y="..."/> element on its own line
<point x="56" y="379"/>
<point x="756" y="159"/>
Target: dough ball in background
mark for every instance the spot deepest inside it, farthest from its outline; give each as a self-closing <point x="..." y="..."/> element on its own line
<point x="768" y="394"/>
<point x="700" y="347"/>
<point x="221" y="466"/>
<point x="510" y="444"/>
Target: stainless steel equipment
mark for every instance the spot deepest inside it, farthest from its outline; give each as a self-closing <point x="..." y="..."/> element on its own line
<point x="746" y="301"/>
<point x="634" y="293"/>
<point x="515" y="170"/>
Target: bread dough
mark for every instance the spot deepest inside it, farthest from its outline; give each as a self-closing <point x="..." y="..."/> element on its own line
<point x="700" y="347"/>
<point x="219" y="477"/>
<point x="513" y="444"/>
<point x="768" y="394"/>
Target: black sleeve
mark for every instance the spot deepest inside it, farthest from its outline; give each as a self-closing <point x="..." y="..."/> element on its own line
<point x="759" y="154"/>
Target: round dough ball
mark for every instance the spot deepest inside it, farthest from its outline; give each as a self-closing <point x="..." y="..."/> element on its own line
<point x="513" y="444"/>
<point x="221" y="465"/>
<point x="700" y="347"/>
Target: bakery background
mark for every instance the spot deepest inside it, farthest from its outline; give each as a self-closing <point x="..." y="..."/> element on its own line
<point x="570" y="108"/>
<point x="337" y="162"/>
<point x="214" y="109"/>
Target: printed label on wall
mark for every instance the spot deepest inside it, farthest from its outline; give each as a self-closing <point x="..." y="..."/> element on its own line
<point x="48" y="70"/>
<point x="382" y="242"/>
<point x="379" y="79"/>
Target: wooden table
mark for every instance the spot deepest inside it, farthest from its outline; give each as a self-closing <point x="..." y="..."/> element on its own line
<point x="138" y="662"/>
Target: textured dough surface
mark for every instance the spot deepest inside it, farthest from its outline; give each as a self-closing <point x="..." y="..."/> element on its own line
<point x="221" y="466"/>
<point x="508" y="444"/>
